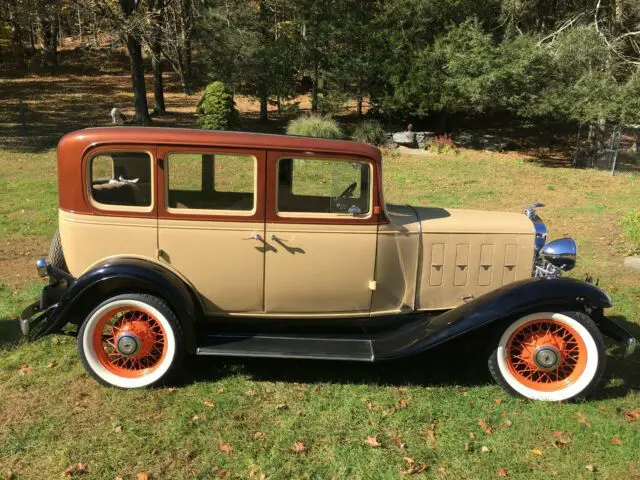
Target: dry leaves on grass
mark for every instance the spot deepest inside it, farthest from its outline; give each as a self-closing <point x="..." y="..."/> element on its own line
<point x="503" y="472"/>
<point x="499" y="401"/>
<point x="143" y="476"/>
<point x="402" y="403"/>
<point x="413" y="468"/>
<point x="615" y="440"/>
<point x="590" y="468"/>
<point x="25" y="369"/>
<point x="468" y="446"/>
<point x="485" y="449"/>
<point x="117" y="429"/>
<point x="442" y="471"/>
<point x="298" y="447"/>
<point x="225" y="447"/>
<point x="208" y="403"/>
<point x="583" y="420"/>
<point x="398" y="442"/>
<point x="485" y="427"/>
<point x="52" y="364"/>
<point x="372" y="441"/>
<point x="561" y="439"/>
<point x="631" y="415"/>
<point x="431" y="431"/>
<point x="258" y="435"/>
<point x="75" y="470"/>
<point x="537" y="452"/>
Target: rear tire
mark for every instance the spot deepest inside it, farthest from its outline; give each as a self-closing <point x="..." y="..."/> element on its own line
<point x="549" y="356"/>
<point x="131" y="341"/>
<point x="56" y="255"/>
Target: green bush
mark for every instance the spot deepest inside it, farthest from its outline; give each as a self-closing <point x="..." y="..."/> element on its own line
<point x="216" y="110"/>
<point x="314" y="126"/>
<point x="631" y="227"/>
<point x="369" y="131"/>
<point x="332" y="103"/>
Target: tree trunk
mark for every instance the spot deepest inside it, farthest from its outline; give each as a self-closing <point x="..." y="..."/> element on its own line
<point x="137" y="79"/>
<point x="359" y="108"/>
<point x="314" y="90"/>
<point x="264" y="102"/>
<point x="158" y="86"/>
<point x="49" y="41"/>
<point x="17" y="48"/>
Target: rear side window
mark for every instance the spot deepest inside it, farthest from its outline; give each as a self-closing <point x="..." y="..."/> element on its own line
<point x="121" y="179"/>
<point x="211" y="181"/>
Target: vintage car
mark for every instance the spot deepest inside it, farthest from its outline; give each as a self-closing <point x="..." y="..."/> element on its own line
<point x="174" y="242"/>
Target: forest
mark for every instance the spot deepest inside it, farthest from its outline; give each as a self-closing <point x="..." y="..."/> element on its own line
<point x="574" y="61"/>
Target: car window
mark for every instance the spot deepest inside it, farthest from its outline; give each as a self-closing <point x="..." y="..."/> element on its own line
<point x="211" y="181"/>
<point x="315" y="185"/>
<point x="121" y="179"/>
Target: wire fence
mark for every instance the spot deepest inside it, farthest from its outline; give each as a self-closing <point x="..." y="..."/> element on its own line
<point x="614" y="148"/>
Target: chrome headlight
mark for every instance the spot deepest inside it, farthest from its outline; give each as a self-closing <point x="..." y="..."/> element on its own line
<point x="560" y="253"/>
<point x="42" y="267"/>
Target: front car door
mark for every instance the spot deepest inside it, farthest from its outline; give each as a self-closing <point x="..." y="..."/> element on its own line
<point x="211" y="224"/>
<point x="321" y="234"/>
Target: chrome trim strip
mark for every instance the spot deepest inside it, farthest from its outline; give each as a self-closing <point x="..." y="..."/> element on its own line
<point x="420" y="255"/>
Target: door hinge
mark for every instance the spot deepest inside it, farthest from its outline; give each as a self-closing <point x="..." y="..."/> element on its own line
<point x="372" y="285"/>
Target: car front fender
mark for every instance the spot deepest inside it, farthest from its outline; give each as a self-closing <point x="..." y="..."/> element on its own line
<point x="510" y="301"/>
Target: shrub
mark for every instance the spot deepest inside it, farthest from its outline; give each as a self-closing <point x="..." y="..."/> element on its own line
<point x="631" y="227"/>
<point x="332" y="103"/>
<point x="314" y="126"/>
<point x="369" y="131"/>
<point x="292" y="108"/>
<point x="216" y="110"/>
<point x="442" y="144"/>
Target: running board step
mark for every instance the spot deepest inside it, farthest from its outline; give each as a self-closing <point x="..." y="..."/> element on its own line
<point x="287" y="346"/>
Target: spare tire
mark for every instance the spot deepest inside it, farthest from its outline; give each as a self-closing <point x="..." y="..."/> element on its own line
<point x="56" y="255"/>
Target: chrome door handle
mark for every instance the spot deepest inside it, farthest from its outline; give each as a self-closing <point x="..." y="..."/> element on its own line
<point x="255" y="237"/>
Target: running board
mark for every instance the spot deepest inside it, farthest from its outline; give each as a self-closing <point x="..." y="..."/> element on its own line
<point x="287" y="346"/>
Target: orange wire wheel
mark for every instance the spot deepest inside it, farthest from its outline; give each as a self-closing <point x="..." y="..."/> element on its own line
<point x="549" y="356"/>
<point x="129" y="341"/>
<point x="546" y="355"/>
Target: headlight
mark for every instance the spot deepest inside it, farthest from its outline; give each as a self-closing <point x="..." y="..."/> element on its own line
<point x="41" y="267"/>
<point x="560" y="253"/>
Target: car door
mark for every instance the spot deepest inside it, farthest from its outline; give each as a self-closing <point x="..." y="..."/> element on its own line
<point x="321" y="234"/>
<point x="211" y="224"/>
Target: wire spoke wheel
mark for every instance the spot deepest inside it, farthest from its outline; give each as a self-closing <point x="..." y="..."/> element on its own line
<point x="546" y="355"/>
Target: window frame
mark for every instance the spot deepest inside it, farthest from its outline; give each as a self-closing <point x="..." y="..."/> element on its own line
<point x="167" y="213"/>
<point x="375" y="215"/>
<point x="125" y="210"/>
<point x="210" y="211"/>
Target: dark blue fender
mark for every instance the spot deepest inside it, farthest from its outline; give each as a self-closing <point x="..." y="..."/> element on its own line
<point x="511" y="301"/>
<point x="122" y="275"/>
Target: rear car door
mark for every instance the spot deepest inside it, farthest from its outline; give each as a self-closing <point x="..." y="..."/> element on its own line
<point x="211" y="224"/>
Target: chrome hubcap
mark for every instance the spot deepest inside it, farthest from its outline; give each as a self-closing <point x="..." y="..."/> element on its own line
<point x="127" y="344"/>
<point x="546" y="358"/>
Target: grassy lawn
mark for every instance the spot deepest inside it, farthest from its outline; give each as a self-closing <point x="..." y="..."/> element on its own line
<point x="434" y="416"/>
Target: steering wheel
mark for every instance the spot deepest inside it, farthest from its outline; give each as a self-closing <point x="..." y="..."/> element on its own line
<point x="348" y="192"/>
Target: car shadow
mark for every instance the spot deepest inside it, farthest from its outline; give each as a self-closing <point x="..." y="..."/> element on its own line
<point x="10" y="333"/>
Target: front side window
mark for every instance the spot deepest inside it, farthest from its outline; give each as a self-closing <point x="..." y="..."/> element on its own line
<point x="121" y="179"/>
<point x="211" y="181"/>
<point x="312" y="185"/>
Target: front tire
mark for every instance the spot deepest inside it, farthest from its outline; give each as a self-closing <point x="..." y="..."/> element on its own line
<point x="131" y="341"/>
<point x="549" y="356"/>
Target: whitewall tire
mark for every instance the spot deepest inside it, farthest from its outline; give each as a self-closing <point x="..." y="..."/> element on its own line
<point x="130" y="341"/>
<point x="549" y="356"/>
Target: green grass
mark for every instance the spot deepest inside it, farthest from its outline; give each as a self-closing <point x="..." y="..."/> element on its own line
<point x="52" y="415"/>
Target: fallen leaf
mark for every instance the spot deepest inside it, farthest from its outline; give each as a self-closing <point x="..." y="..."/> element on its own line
<point x="502" y="472"/>
<point x="25" y="369"/>
<point x="442" y="471"/>
<point x="195" y="418"/>
<point x="590" y="468"/>
<point x="371" y="407"/>
<point x="225" y="448"/>
<point x="485" y="449"/>
<point x="282" y="406"/>
<point x="52" y="364"/>
<point x="402" y="403"/>
<point x="508" y="423"/>
<point x="498" y="401"/>
<point x="118" y="478"/>
<point x="117" y="429"/>
<point x="467" y="446"/>
<point x="372" y="441"/>
<point x="485" y="428"/>
<point x="472" y="435"/>
<point x="170" y="389"/>
<point x="537" y="451"/>
<point x="208" y="403"/>
<point x="430" y="434"/>
<point x="561" y="439"/>
<point x="259" y="435"/>
<point x="413" y="467"/>
<point x="409" y="460"/>
<point x="250" y="393"/>
<point x="143" y="476"/>
<point x="615" y="440"/>
<point x="398" y="442"/>
<point x="583" y="420"/>
<point x="298" y="447"/>
<point x="631" y="415"/>
<point x="75" y="470"/>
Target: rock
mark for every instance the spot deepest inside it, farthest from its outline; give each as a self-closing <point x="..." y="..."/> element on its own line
<point x="632" y="262"/>
<point x="407" y="139"/>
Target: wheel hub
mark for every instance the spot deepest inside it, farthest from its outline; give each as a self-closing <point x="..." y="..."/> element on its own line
<point x="127" y="344"/>
<point x="546" y="357"/>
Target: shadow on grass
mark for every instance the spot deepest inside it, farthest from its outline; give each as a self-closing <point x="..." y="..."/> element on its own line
<point x="10" y="334"/>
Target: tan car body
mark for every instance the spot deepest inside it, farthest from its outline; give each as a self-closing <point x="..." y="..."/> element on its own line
<point x="398" y="259"/>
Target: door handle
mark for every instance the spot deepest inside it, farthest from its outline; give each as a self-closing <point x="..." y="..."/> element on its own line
<point x="257" y="237"/>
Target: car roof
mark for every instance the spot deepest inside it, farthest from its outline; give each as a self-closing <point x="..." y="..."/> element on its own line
<point x="81" y="140"/>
